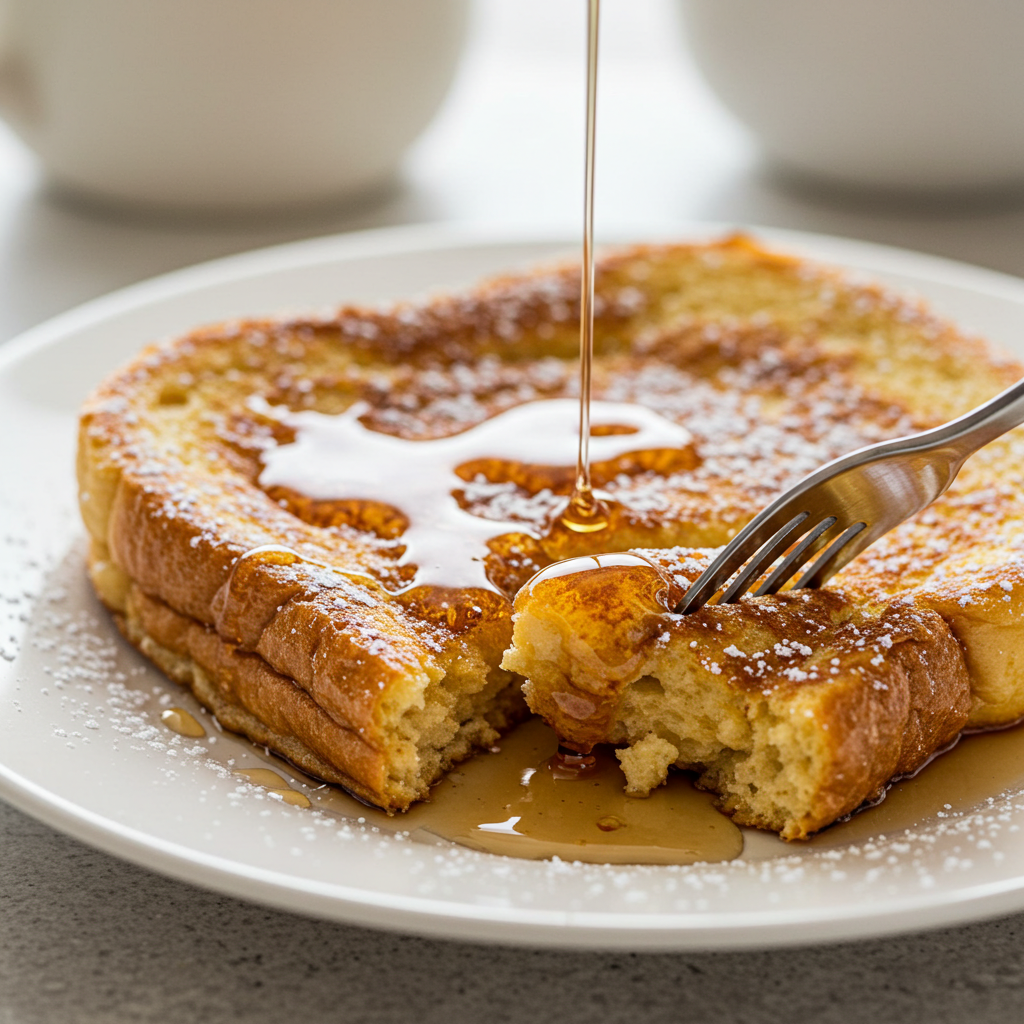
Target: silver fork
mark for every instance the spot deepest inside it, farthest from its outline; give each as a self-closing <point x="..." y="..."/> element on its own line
<point x="861" y="495"/>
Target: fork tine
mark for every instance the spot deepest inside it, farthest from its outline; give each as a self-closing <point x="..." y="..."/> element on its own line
<point x="763" y="557"/>
<point x="795" y="560"/>
<point x="829" y="561"/>
<point x="746" y="543"/>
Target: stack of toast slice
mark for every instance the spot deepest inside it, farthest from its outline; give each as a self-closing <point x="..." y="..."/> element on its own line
<point x="298" y="620"/>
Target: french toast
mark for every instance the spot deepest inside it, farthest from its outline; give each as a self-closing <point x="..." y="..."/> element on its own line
<point x="297" y="611"/>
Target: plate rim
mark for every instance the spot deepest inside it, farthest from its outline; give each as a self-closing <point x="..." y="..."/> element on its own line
<point x="464" y="921"/>
<point x="424" y="237"/>
<point x="610" y="931"/>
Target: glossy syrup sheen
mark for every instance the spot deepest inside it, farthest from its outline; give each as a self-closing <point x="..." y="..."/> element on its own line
<point x="586" y="512"/>
<point x="509" y="802"/>
<point x="274" y="784"/>
<point x="182" y="722"/>
<point x="522" y="802"/>
<point x="337" y="457"/>
<point x="980" y="766"/>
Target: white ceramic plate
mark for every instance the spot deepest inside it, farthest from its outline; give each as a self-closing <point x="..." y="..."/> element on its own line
<point x="82" y="747"/>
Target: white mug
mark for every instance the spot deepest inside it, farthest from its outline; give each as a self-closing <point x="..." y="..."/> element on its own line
<point x="922" y="95"/>
<point x="224" y="104"/>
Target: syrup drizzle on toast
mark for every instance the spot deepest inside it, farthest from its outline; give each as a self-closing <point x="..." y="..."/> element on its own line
<point x="560" y="804"/>
<point x="339" y="457"/>
<point x="586" y="513"/>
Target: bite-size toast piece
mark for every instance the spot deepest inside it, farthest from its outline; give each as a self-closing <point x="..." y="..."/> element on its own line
<point x="296" y="619"/>
<point x="799" y="707"/>
<point x="795" y="709"/>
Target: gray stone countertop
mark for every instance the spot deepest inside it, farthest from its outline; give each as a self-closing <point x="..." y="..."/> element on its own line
<point x="89" y="939"/>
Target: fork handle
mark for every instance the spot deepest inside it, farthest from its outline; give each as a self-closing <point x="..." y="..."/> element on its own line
<point x="966" y="434"/>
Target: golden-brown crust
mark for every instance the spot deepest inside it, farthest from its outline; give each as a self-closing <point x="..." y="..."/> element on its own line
<point x="314" y="631"/>
<point x="888" y="723"/>
<point x="248" y="696"/>
<point x="595" y="629"/>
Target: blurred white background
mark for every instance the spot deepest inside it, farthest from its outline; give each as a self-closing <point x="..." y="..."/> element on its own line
<point x="505" y="149"/>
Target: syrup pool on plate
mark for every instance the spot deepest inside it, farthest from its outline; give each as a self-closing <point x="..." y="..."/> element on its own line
<point x="517" y="801"/>
<point x="182" y="722"/>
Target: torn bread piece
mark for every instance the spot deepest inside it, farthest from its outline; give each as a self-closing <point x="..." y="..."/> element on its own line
<point x="795" y="709"/>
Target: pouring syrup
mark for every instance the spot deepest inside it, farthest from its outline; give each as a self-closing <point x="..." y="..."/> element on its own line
<point x="585" y="512"/>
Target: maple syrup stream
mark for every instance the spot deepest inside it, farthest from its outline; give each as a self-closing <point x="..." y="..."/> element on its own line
<point x="585" y="513"/>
